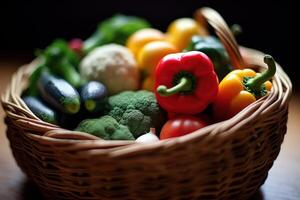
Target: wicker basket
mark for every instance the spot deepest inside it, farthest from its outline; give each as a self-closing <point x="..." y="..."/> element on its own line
<point x="227" y="160"/>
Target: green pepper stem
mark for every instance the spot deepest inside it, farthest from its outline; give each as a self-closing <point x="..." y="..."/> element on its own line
<point x="184" y="85"/>
<point x="256" y="82"/>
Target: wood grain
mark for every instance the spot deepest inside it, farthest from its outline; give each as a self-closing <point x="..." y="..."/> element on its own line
<point x="282" y="183"/>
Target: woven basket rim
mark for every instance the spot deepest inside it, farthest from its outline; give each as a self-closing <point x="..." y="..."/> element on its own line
<point x="280" y="94"/>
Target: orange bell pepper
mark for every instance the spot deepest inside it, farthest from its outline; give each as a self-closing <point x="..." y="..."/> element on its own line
<point x="240" y="88"/>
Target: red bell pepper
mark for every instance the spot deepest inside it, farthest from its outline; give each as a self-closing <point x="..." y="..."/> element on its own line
<point x="185" y="82"/>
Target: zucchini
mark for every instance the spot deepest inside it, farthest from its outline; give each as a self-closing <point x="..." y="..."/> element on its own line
<point x="40" y="109"/>
<point x="93" y="96"/>
<point x="59" y="93"/>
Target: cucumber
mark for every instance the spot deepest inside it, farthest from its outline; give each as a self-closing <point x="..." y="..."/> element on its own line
<point x="59" y="93"/>
<point x="93" y="96"/>
<point x="40" y="109"/>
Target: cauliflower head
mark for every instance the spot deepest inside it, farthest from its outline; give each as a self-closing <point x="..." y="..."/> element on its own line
<point x="114" y="66"/>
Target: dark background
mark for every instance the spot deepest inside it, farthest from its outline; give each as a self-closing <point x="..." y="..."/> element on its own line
<point x="269" y="26"/>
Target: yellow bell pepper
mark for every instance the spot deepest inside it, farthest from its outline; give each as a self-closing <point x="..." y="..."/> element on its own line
<point x="151" y="53"/>
<point x="240" y="88"/>
<point x="182" y="30"/>
<point x="140" y="38"/>
<point x="149" y="56"/>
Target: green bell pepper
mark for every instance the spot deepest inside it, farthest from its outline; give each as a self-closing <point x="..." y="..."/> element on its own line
<point x="114" y="30"/>
<point x="212" y="47"/>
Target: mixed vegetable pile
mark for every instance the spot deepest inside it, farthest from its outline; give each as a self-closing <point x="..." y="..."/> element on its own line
<point x="129" y="81"/>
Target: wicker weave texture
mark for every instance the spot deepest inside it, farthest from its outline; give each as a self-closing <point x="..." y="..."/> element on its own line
<point x="227" y="160"/>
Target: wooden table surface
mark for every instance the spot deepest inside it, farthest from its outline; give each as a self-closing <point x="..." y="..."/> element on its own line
<point x="283" y="182"/>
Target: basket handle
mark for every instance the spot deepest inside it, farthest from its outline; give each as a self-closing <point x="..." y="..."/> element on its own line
<point x="209" y="16"/>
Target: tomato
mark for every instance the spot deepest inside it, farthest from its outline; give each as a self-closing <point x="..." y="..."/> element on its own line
<point x="181" y="125"/>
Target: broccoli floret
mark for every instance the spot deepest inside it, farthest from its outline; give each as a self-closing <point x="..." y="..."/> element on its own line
<point x="106" y="128"/>
<point x="138" y="110"/>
